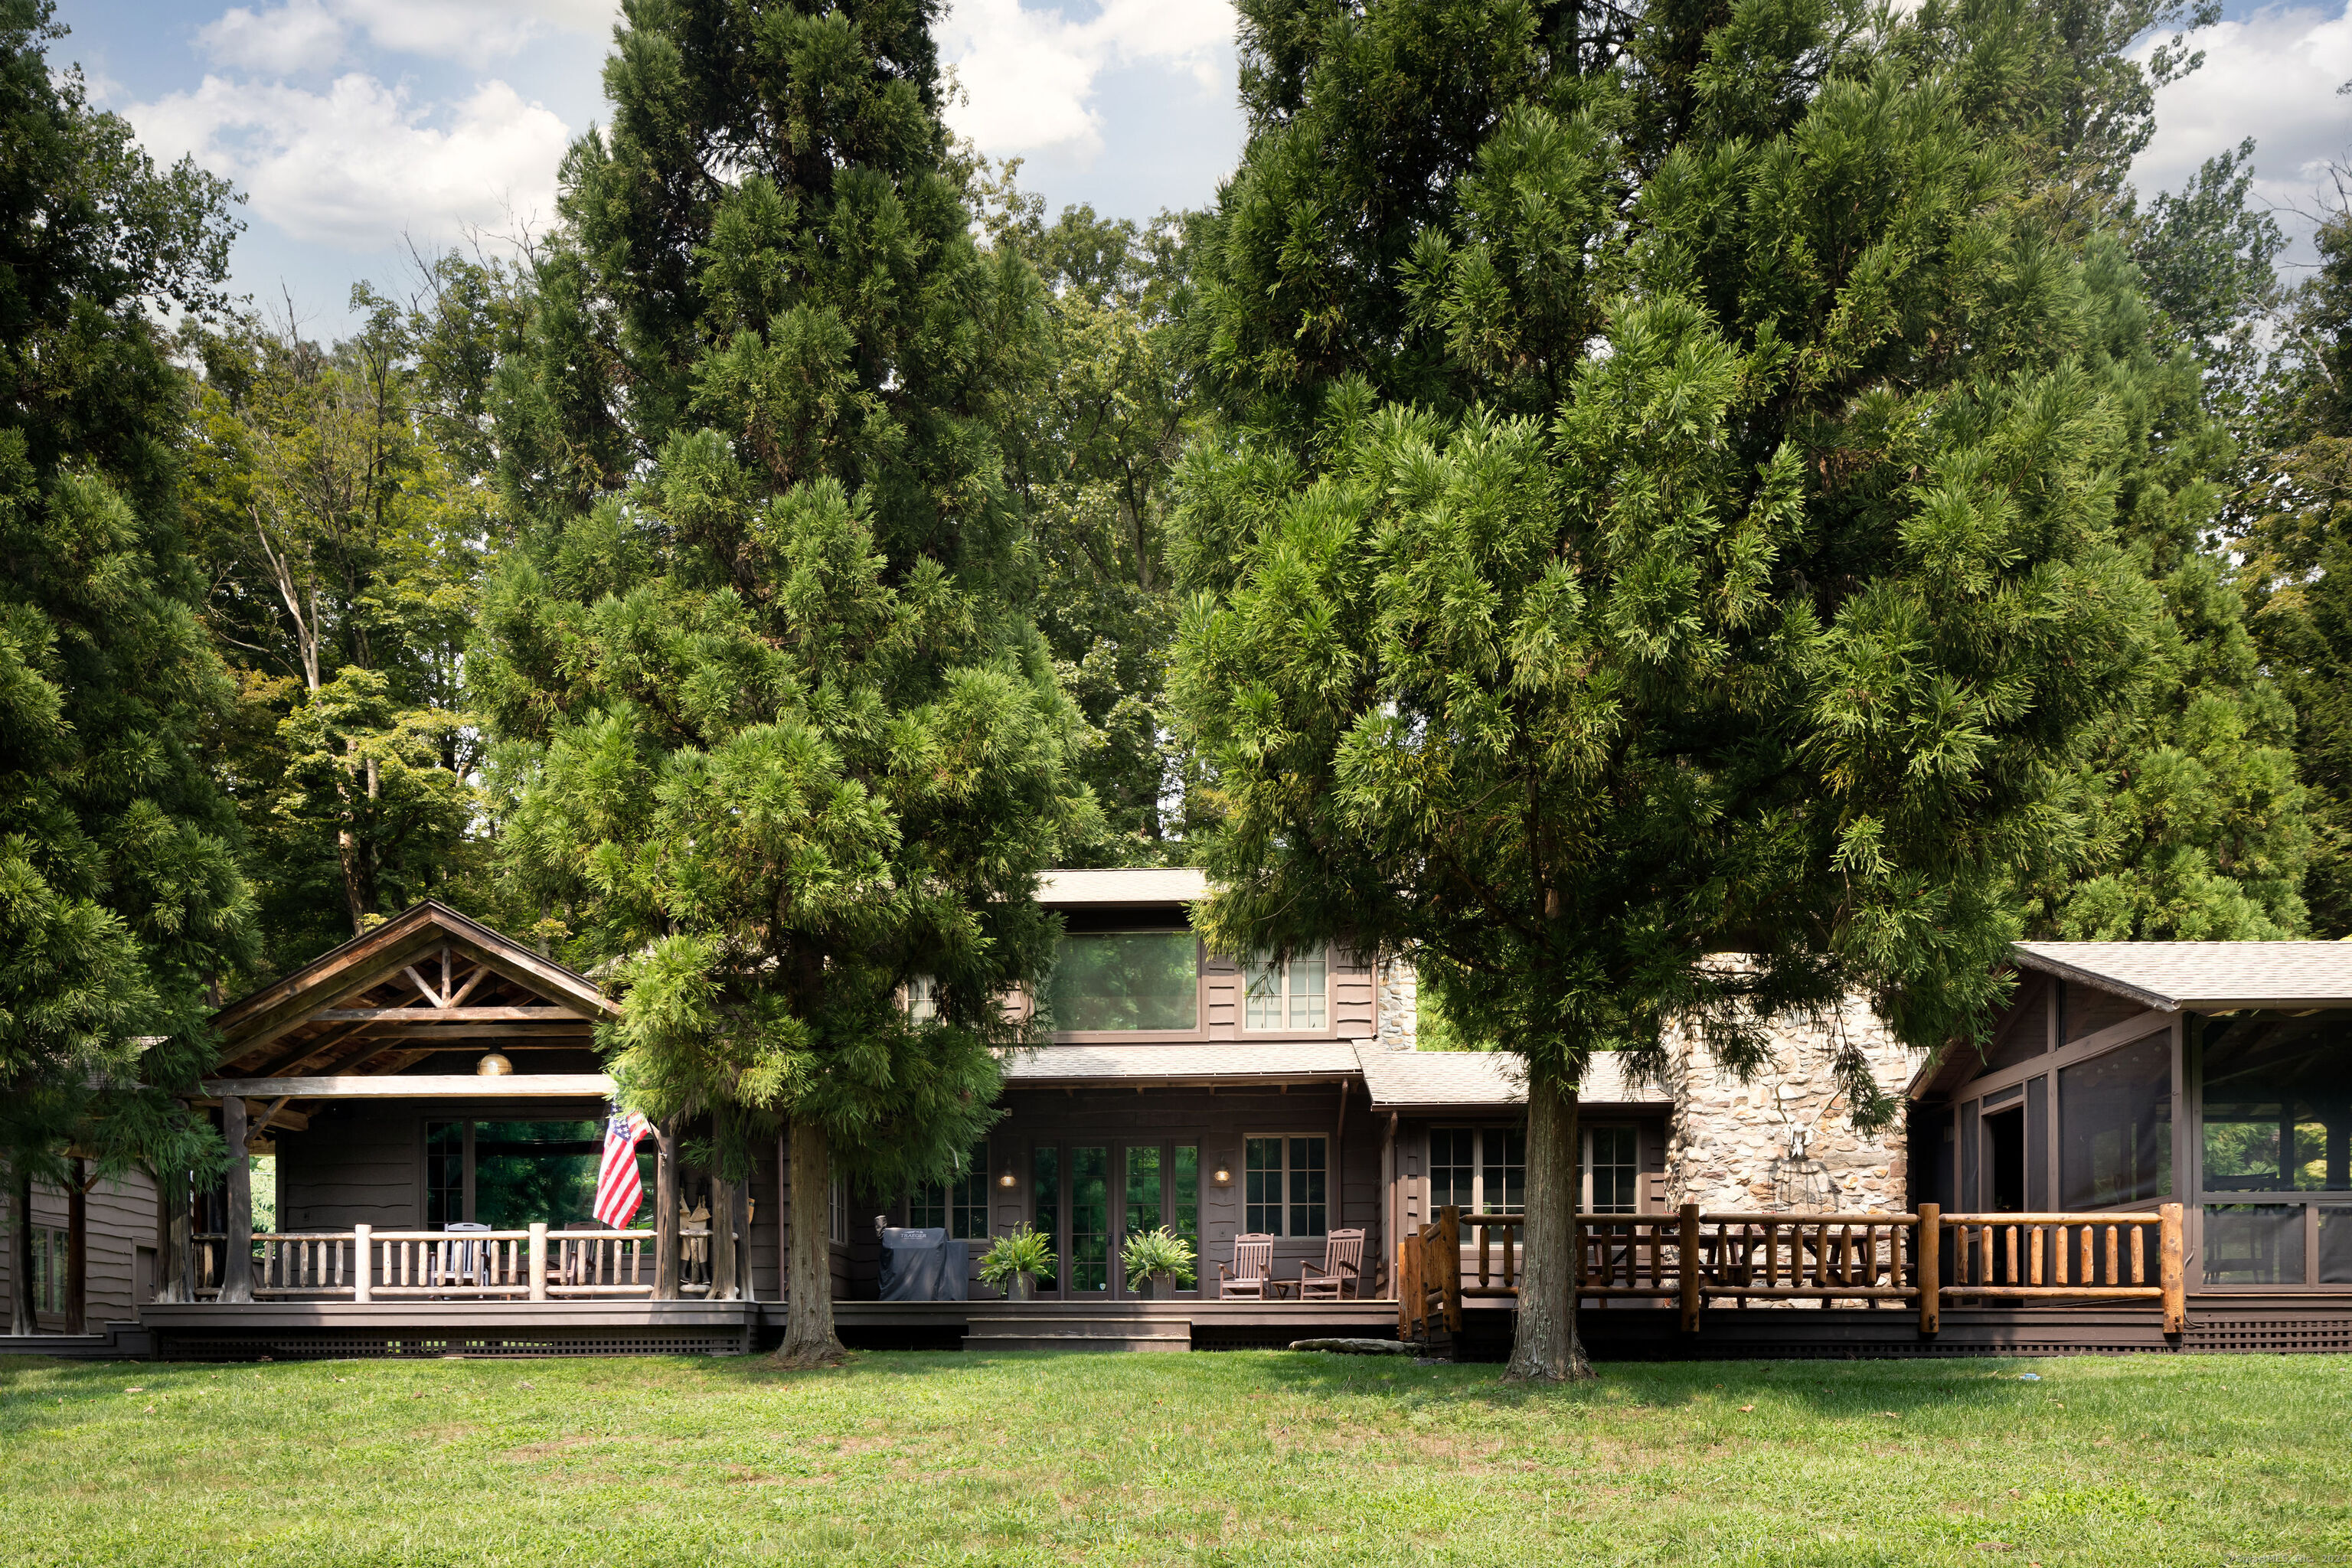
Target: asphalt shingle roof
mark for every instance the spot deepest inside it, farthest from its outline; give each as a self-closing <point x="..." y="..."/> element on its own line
<point x="2171" y="975"/>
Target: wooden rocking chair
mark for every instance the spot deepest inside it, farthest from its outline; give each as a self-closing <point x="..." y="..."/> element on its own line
<point x="1342" y="1266"/>
<point x="1252" y="1264"/>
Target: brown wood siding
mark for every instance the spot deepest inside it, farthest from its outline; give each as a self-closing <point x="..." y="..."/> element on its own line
<point x="1353" y="1010"/>
<point x="121" y="1219"/>
<point x="1224" y="989"/>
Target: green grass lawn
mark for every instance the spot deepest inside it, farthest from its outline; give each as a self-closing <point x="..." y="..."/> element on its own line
<point x="1243" y="1457"/>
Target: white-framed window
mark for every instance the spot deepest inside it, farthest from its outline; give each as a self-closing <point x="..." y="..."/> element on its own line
<point x="1284" y="1184"/>
<point x="1478" y="1169"/>
<point x="1287" y="994"/>
<point x="959" y="1205"/>
<point x="922" y="998"/>
<point x="1613" y="1170"/>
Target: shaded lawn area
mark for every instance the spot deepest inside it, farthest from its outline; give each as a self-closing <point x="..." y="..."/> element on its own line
<point x="1243" y="1457"/>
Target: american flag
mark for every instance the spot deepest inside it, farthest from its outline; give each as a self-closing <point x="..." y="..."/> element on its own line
<point x="619" y="1191"/>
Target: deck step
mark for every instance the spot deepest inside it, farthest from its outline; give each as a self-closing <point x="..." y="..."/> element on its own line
<point x="1069" y="1341"/>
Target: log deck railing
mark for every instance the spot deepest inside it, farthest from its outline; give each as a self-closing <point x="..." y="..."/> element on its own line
<point x="365" y="1264"/>
<point x="1926" y="1260"/>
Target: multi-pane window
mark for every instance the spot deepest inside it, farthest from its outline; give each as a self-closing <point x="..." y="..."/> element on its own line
<point x="1285" y="993"/>
<point x="922" y="998"/>
<point x="1613" y="1170"/>
<point x="1285" y="1190"/>
<point x="444" y="1173"/>
<point x="1478" y="1169"/>
<point x="959" y="1204"/>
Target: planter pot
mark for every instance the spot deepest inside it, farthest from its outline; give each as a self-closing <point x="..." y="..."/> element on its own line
<point x="1021" y="1287"/>
<point x="1148" y="1289"/>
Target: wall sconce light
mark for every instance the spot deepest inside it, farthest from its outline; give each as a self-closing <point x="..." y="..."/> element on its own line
<point x="1008" y="1180"/>
<point x="1221" y="1177"/>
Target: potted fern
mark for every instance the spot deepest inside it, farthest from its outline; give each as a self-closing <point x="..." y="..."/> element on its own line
<point x="1155" y="1260"/>
<point x="1014" y="1262"/>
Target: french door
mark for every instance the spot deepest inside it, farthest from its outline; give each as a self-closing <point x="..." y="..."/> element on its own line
<point x="1090" y="1196"/>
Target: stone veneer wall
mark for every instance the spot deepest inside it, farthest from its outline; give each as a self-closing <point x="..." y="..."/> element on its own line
<point x="1726" y="1136"/>
<point x="1399" y="1003"/>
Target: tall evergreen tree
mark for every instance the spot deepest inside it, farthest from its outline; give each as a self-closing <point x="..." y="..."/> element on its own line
<point x="773" y="743"/>
<point x="120" y="902"/>
<point x="1669" y="511"/>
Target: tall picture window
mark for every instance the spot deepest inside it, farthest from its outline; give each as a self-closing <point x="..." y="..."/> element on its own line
<point x="521" y="1172"/>
<point x="1285" y="1190"/>
<point x="1478" y="1169"/>
<point x="1127" y="982"/>
<point x="959" y="1204"/>
<point x="1613" y="1170"/>
<point x="1287" y="994"/>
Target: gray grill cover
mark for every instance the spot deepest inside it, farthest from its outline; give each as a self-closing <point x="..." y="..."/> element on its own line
<point x="924" y="1265"/>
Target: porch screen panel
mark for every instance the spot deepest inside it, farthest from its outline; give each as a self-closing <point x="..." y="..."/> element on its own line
<point x="2115" y="1127"/>
<point x="2254" y="1244"/>
<point x="1127" y="982"/>
<point x="2335" y="1244"/>
<point x="1089" y="1219"/>
<point x="1045" y="1166"/>
<point x="2276" y="1118"/>
<point x="1453" y="1168"/>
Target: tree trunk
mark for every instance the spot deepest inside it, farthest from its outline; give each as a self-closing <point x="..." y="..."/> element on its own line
<point x="725" y="1281"/>
<point x="78" y="1250"/>
<point x="236" y="1252"/>
<point x="167" y="1274"/>
<point x="21" y="1320"/>
<point x="665" y="1214"/>
<point x="1544" y="1346"/>
<point x="809" y="1337"/>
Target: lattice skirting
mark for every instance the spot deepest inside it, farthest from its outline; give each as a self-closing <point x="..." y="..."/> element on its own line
<point x="2268" y="1335"/>
<point x="434" y="1346"/>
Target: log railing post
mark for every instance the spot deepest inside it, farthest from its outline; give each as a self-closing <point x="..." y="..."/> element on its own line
<point x="1688" y="1275"/>
<point x="1927" y="1266"/>
<point x="362" y="1263"/>
<point x="2176" y="1296"/>
<point x="538" y="1264"/>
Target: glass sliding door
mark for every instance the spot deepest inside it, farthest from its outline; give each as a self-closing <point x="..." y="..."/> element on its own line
<point x="1184" y="1197"/>
<point x="1091" y="1220"/>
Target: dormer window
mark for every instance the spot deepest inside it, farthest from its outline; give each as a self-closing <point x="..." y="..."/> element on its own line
<point x="1288" y="993"/>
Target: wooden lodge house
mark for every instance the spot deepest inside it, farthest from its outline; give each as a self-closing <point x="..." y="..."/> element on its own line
<point x="2156" y="1152"/>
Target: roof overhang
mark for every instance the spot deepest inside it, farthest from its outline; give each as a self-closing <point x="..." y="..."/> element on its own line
<point x="419" y="1086"/>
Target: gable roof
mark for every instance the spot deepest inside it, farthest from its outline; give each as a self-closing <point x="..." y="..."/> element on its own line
<point x="2215" y="976"/>
<point x="428" y="975"/>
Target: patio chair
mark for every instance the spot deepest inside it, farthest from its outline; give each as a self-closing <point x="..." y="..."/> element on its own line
<point x="1342" y="1266"/>
<point x="1253" y="1263"/>
<point x="461" y="1261"/>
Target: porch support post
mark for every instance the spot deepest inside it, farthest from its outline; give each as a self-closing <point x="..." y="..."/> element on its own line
<point x="725" y="1284"/>
<point x="78" y="1249"/>
<point x="237" y="1266"/>
<point x="1927" y="1268"/>
<point x="783" y="1219"/>
<point x="2174" y="1277"/>
<point x="665" y="1213"/>
<point x="362" y="1263"/>
<point x="538" y="1260"/>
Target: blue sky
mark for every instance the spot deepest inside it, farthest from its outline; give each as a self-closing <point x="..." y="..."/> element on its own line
<point x="357" y="127"/>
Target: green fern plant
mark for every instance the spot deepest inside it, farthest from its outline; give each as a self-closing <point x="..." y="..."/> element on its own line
<point x="1026" y="1250"/>
<point x="1161" y="1251"/>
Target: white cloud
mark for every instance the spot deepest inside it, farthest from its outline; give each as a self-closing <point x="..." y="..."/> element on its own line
<point x="1029" y="75"/>
<point x="359" y="165"/>
<point x="318" y="35"/>
<point x="2273" y="76"/>
<point x="298" y="36"/>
